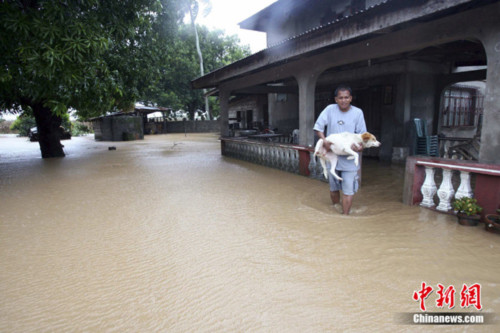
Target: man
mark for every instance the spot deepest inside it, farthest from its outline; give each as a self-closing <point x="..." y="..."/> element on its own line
<point x="338" y="118"/>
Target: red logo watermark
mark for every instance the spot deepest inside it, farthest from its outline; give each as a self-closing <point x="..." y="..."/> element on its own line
<point x="469" y="296"/>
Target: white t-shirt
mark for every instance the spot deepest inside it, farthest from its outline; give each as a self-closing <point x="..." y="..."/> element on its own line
<point x="337" y="121"/>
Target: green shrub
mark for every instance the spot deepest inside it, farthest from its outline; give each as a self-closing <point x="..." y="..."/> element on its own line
<point x="466" y="205"/>
<point x="22" y="125"/>
<point x="79" y="128"/>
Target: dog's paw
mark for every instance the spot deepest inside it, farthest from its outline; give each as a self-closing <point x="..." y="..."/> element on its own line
<point x="356" y="162"/>
<point x="350" y="157"/>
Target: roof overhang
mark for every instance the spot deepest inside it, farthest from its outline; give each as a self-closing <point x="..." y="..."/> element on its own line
<point x="384" y="18"/>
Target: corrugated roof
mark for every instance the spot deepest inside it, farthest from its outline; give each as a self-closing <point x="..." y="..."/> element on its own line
<point x="392" y="8"/>
<point x="336" y="21"/>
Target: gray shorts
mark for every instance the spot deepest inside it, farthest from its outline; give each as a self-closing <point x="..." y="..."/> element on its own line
<point x="348" y="185"/>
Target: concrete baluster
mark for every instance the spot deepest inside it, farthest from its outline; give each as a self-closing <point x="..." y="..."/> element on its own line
<point x="295" y="160"/>
<point x="282" y="155"/>
<point x="312" y="166"/>
<point x="252" y="153"/>
<point x="289" y="160"/>
<point x="446" y="191"/>
<point x="267" y="155"/>
<point x="464" y="190"/>
<point x="428" y="188"/>
<point x="278" y="157"/>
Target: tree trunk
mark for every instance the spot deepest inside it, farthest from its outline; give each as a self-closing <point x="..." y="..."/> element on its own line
<point x="49" y="133"/>
<point x="200" y="57"/>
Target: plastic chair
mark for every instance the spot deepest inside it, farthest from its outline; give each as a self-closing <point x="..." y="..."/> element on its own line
<point x="426" y="144"/>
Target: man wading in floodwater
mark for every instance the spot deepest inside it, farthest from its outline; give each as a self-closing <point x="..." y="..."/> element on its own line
<point x="338" y="118"/>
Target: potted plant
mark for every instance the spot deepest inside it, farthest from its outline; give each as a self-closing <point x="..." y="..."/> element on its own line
<point x="493" y="222"/>
<point x="467" y="211"/>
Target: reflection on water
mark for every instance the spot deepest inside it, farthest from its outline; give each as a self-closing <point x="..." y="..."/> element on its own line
<point x="166" y="234"/>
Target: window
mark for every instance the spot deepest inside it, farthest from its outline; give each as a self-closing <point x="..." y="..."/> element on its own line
<point x="462" y="106"/>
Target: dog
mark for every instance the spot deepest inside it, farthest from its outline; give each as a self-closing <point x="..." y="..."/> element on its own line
<point x="341" y="145"/>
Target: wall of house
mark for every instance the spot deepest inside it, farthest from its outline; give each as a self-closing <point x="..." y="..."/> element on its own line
<point x="123" y="128"/>
<point x="283" y="112"/>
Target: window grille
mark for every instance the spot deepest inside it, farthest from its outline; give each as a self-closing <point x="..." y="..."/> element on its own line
<point x="462" y="106"/>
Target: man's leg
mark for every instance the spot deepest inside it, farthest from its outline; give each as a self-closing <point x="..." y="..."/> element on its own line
<point x="346" y="203"/>
<point x="349" y="188"/>
<point x="335" y="186"/>
<point x="335" y="196"/>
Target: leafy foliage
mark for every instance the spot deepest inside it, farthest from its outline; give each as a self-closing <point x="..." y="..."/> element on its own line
<point x="22" y="125"/>
<point x="96" y="56"/>
<point x="25" y="122"/>
<point x="467" y="205"/>
<point x="78" y="128"/>
<point x="180" y="65"/>
<point x="89" y="55"/>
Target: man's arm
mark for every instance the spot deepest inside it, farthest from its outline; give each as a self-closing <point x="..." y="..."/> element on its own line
<point x="360" y="128"/>
<point x="326" y="143"/>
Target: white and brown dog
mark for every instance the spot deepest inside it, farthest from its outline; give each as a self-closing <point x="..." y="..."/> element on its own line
<point x="341" y="145"/>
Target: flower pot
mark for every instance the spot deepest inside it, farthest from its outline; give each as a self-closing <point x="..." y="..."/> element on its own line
<point x="468" y="220"/>
<point x="492" y="223"/>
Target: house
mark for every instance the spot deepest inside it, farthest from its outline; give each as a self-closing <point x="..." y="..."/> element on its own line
<point x="401" y="57"/>
<point x="398" y="56"/>
<point x="126" y="126"/>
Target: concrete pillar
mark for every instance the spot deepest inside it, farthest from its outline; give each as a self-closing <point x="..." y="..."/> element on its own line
<point x="490" y="134"/>
<point x="402" y="113"/>
<point x="224" y="95"/>
<point x="307" y="86"/>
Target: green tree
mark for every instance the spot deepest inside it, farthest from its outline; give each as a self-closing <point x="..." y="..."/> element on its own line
<point x="89" y="55"/>
<point x="180" y="65"/>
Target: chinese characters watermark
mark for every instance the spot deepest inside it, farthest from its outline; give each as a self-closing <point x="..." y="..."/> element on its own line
<point x="469" y="296"/>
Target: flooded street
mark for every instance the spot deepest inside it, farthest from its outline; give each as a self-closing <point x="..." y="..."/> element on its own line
<point x="167" y="235"/>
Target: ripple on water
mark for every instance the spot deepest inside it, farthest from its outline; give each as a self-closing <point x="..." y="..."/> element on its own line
<point x="167" y="235"/>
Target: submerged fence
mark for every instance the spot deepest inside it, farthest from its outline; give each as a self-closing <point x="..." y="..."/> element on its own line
<point x="287" y="157"/>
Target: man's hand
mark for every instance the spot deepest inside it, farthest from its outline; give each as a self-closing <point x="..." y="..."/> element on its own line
<point x="357" y="148"/>
<point x="327" y="144"/>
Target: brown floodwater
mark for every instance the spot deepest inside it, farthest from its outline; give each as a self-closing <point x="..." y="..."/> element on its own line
<point x="165" y="234"/>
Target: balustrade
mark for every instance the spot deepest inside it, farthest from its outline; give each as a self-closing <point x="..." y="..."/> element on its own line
<point x="272" y="154"/>
<point x="437" y="180"/>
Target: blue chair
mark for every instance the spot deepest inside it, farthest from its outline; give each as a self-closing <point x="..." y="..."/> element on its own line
<point x="427" y="145"/>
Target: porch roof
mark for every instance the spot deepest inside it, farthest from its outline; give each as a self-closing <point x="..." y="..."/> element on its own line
<point x="383" y="18"/>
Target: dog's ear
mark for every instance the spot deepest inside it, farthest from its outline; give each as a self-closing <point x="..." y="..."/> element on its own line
<point x="366" y="136"/>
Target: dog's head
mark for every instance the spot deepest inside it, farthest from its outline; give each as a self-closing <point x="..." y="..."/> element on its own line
<point x="369" y="140"/>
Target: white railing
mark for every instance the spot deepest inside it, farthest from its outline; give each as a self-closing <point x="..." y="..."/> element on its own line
<point x="454" y="180"/>
<point x="446" y="192"/>
<point x="287" y="157"/>
<point x="280" y="156"/>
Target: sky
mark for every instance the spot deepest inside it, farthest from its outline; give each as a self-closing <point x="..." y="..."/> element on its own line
<point x="226" y="14"/>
